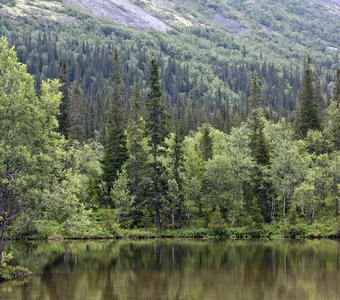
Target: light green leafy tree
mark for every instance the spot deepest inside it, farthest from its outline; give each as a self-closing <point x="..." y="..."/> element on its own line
<point x="226" y="177"/>
<point x="29" y="143"/>
<point x="306" y="200"/>
<point x="289" y="164"/>
<point x="120" y="194"/>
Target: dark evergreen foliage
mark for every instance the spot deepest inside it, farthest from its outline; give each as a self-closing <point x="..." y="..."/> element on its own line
<point x="258" y="144"/>
<point x="138" y="164"/>
<point x="307" y="112"/>
<point x="259" y="148"/>
<point x="156" y="127"/>
<point x="65" y="104"/>
<point x="206" y="143"/>
<point x="77" y="126"/>
<point x="115" y="151"/>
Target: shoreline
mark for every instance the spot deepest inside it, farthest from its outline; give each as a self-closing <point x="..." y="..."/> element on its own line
<point x="9" y="273"/>
<point x="237" y="233"/>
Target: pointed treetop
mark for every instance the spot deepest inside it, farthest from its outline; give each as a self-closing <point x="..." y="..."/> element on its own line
<point x="136" y="109"/>
<point x="155" y="86"/>
<point x="255" y="93"/>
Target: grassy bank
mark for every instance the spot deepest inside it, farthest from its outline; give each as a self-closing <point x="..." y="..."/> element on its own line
<point x="275" y="230"/>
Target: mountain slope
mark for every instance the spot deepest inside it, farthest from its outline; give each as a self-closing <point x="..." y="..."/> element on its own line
<point x="207" y="50"/>
<point x="300" y="25"/>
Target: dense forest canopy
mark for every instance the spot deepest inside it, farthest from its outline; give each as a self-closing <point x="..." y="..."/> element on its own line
<point x="198" y="127"/>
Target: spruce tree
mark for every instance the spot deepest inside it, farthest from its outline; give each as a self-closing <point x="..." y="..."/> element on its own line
<point x="258" y="144"/>
<point x="255" y="214"/>
<point x="115" y="146"/>
<point x="64" y="118"/>
<point x="206" y="143"/>
<point x="137" y="164"/>
<point x="157" y="131"/>
<point x="307" y="115"/>
<point x="259" y="148"/>
<point x="77" y="126"/>
<point x="176" y="201"/>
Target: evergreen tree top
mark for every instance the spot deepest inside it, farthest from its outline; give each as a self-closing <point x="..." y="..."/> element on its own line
<point x="155" y="86"/>
<point x="255" y="92"/>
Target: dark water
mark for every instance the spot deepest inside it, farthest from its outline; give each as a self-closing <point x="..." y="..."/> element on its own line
<point x="178" y="270"/>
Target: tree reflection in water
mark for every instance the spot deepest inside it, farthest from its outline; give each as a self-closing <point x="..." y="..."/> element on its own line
<point x="178" y="270"/>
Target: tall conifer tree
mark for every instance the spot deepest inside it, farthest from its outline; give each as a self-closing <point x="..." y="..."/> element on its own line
<point x="259" y="148"/>
<point x="157" y="131"/>
<point x="65" y="104"/>
<point x="206" y="143"/>
<point x="176" y="201"/>
<point x="115" y="150"/>
<point x="258" y="144"/>
<point x="307" y="114"/>
<point x="137" y="164"/>
<point x="77" y="128"/>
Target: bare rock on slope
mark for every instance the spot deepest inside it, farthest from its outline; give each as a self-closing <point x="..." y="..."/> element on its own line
<point x="122" y="11"/>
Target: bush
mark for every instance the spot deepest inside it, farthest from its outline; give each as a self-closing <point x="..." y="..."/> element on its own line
<point x="106" y="218"/>
<point x="48" y="228"/>
<point x="8" y="272"/>
<point x="13" y="272"/>
<point x="217" y="224"/>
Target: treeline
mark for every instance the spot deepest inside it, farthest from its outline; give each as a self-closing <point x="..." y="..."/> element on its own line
<point x="262" y="171"/>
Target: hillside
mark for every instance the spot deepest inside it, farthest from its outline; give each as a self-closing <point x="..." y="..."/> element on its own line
<point x="294" y="23"/>
<point x="207" y="49"/>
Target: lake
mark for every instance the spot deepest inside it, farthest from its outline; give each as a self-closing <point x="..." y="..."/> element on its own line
<point x="177" y="269"/>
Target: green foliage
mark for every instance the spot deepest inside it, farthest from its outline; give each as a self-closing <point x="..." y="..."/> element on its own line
<point x="48" y="228"/>
<point x="77" y="125"/>
<point x="307" y="117"/>
<point x="115" y="150"/>
<point x="224" y="177"/>
<point x="29" y="143"/>
<point x="120" y="195"/>
<point x="258" y="143"/>
<point x="206" y="143"/>
<point x="13" y="273"/>
<point x="65" y="111"/>
<point x="255" y="214"/>
<point x="217" y="223"/>
<point x="332" y="128"/>
<point x="106" y="218"/>
<point x="156" y="125"/>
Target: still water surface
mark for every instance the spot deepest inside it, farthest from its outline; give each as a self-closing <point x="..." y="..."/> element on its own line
<point x="178" y="270"/>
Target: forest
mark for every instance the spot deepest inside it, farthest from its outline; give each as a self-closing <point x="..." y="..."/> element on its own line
<point x="112" y="139"/>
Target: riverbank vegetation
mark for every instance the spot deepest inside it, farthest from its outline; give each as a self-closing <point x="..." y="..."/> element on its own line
<point x="141" y="176"/>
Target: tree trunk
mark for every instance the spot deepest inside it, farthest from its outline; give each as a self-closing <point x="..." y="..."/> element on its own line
<point x="284" y="204"/>
<point x="158" y="219"/>
<point x="156" y="188"/>
<point x="2" y="243"/>
<point x="272" y="215"/>
<point x="173" y="220"/>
